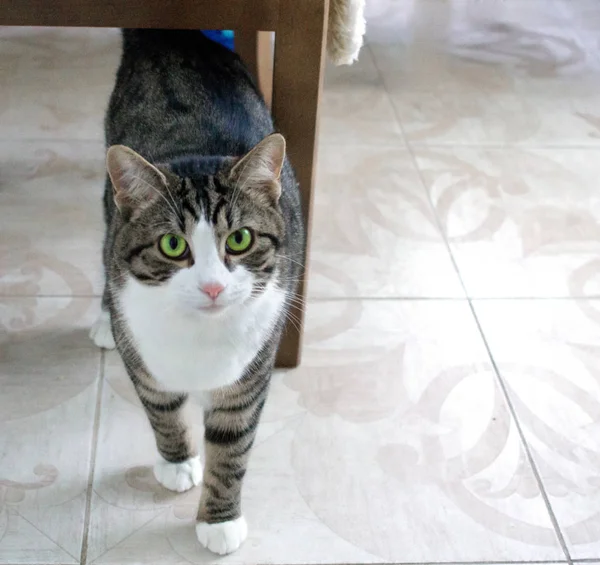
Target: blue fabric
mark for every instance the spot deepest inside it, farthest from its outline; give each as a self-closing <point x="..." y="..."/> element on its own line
<point x="224" y="37"/>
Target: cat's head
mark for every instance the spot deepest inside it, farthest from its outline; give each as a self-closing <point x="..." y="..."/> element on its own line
<point x="206" y="243"/>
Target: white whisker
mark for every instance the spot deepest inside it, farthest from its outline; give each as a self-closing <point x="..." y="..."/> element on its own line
<point x="285" y="257"/>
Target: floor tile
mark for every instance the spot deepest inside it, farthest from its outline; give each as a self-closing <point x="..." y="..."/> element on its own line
<point x="583" y="15"/>
<point x="61" y="47"/>
<point x="391" y="21"/>
<point x="494" y="80"/>
<point x="392" y="442"/>
<point x="58" y="81"/>
<point x="547" y="353"/>
<point x="63" y="103"/>
<point x="521" y="223"/>
<point x="401" y="394"/>
<point x="135" y="520"/>
<point x="51" y="217"/>
<point x="373" y="232"/>
<point x="355" y="106"/>
<point x="48" y="378"/>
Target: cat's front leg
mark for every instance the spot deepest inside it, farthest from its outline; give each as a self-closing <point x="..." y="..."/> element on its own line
<point x="230" y="429"/>
<point x="180" y="468"/>
<point x="101" y="332"/>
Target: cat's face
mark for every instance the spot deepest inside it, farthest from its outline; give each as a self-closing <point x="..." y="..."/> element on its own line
<point x="202" y="245"/>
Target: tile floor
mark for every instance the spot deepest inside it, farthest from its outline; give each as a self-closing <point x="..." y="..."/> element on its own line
<point x="448" y="405"/>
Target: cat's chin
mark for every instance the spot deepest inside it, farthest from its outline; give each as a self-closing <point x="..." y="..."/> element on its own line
<point x="230" y="307"/>
<point x="215" y="310"/>
<point x="212" y="310"/>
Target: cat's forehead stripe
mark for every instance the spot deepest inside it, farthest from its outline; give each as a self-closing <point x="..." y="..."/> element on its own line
<point x="188" y="203"/>
<point x="199" y="189"/>
<point x="219" y="186"/>
<point x="197" y="166"/>
<point x="221" y="203"/>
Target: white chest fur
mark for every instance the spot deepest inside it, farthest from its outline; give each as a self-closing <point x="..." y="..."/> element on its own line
<point x="188" y="351"/>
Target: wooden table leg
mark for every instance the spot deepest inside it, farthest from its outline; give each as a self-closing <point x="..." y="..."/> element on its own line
<point x="297" y="82"/>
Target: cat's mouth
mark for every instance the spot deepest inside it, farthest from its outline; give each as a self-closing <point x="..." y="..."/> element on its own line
<point x="212" y="309"/>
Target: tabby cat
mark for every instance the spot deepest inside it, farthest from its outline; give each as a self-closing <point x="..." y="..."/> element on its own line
<point x="203" y="241"/>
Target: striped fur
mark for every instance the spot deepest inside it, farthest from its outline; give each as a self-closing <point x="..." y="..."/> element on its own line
<point x="189" y="108"/>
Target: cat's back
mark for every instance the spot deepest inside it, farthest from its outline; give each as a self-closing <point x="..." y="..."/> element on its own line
<point x="178" y="92"/>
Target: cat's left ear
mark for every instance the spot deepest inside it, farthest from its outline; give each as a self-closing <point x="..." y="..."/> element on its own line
<point x="259" y="170"/>
<point x="137" y="183"/>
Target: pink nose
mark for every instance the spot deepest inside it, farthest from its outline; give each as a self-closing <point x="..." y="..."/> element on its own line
<point x="212" y="289"/>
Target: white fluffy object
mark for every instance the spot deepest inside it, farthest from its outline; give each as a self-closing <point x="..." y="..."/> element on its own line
<point x="345" y="30"/>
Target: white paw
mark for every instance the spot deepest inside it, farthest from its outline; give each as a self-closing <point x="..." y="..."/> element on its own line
<point x="224" y="537"/>
<point x="101" y="332"/>
<point x="179" y="476"/>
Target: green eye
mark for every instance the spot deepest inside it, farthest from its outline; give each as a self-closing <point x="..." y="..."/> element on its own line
<point x="173" y="246"/>
<point x="239" y="241"/>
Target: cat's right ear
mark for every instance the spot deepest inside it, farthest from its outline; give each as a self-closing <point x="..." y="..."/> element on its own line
<point x="136" y="182"/>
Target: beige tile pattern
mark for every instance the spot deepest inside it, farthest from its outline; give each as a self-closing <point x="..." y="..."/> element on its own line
<point x="520" y="222"/>
<point x="372" y="216"/>
<point x="493" y="73"/>
<point x="549" y="361"/>
<point x="386" y="392"/>
<point x="447" y="405"/>
<point x="356" y="107"/>
<point x="60" y="83"/>
<point x="48" y="381"/>
<point x="52" y="226"/>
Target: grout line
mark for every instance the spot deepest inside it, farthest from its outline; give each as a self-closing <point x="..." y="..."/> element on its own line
<point x="383" y="144"/>
<point x="479" y="562"/>
<point x="500" y="146"/>
<point x="50" y="296"/>
<point x="382" y="298"/>
<point x="349" y="298"/>
<point x="500" y="382"/>
<point x="499" y="379"/>
<point x="447" y="298"/>
<point x="392" y="298"/>
<point x="94" y="449"/>
<point x="413" y="157"/>
<point x="137" y="529"/>
<point x="66" y="140"/>
<point x="479" y="298"/>
<point x="528" y="453"/>
<point x="454" y="145"/>
<point x="483" y="562"/>
<point x="25" y="519"/>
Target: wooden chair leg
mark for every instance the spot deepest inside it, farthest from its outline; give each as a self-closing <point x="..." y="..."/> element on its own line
<point x="297" y="82"/>
<point x="255" y="49"/>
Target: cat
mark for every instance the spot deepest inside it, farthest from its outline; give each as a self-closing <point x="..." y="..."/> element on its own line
<point x="203" y="239"/>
